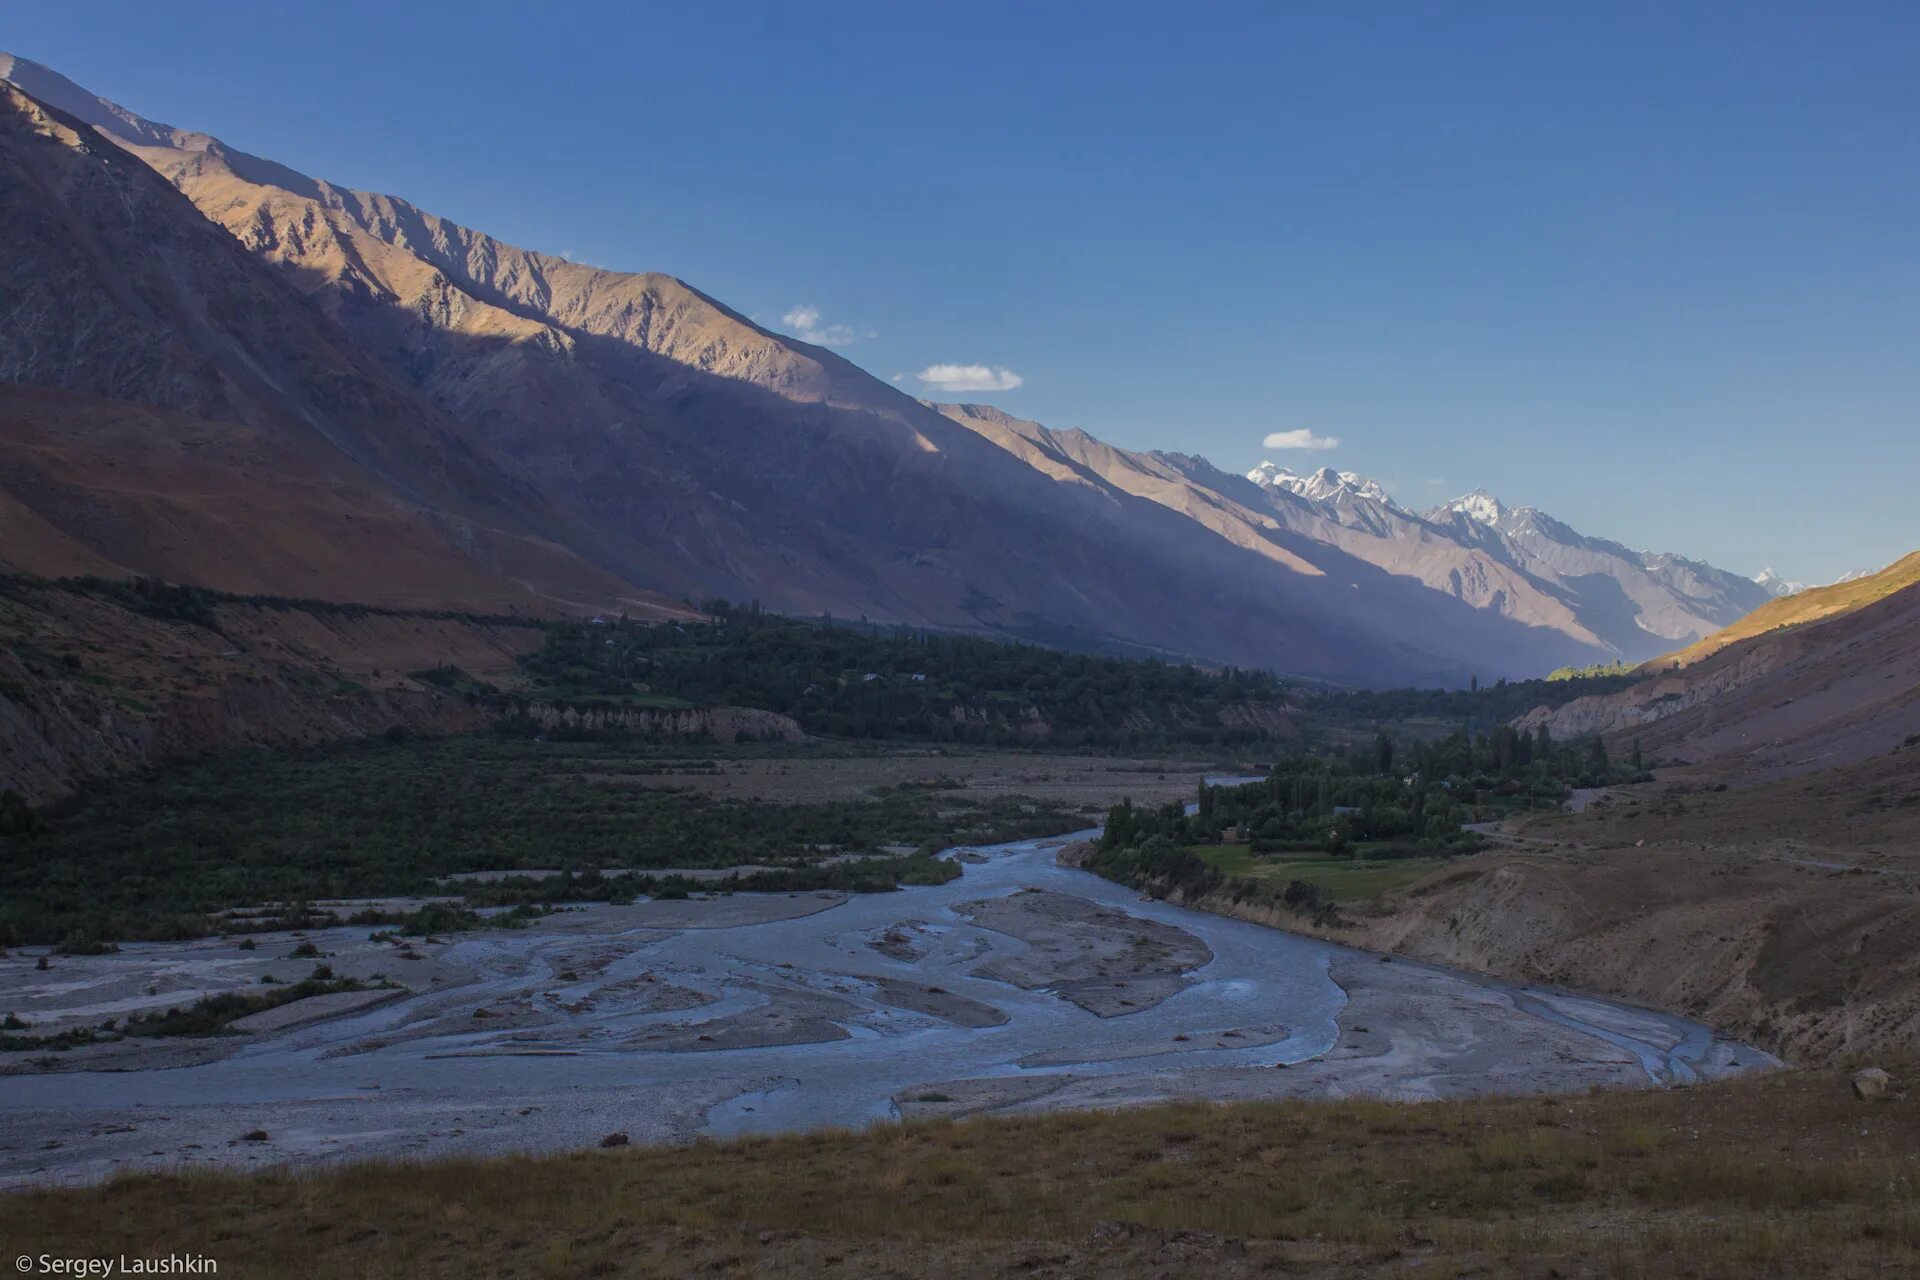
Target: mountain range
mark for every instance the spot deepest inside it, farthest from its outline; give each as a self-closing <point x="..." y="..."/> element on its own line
<point x="215" y="369"/>
<point x="1523" y="563"/>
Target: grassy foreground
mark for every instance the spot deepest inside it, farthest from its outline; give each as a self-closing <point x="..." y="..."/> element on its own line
<point x="1781" y="1175"/>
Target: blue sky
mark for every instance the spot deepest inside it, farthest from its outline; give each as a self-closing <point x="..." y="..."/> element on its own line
<point x="1653" y="268"/>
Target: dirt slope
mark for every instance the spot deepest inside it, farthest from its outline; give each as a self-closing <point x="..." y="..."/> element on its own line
<point x="109" y="487"/>
<point x="1785" y="914"/>
<point x="1842" y="688"/>
<point x="1800" y="608"/>
<point x="90" y="687"/>
<point x="1773" y="886"/>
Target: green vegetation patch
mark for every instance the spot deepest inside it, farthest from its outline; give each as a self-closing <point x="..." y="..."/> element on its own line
<point x="1321" y="830"/>
<point x="1477" y="709"/>
<point x="162" y="854"/>
<point x="868" y="682"/>
<point x="1340" y="879"/>
<point x="215" y="1015"/>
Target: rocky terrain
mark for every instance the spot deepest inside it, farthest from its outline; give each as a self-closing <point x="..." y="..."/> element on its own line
<point x="1784" y="913"/>
<point x="1022" y="985"/>
<point x="531" y="430"/>
<point x="1815" y="681"/>
<point x="91" y="685"/>
<point x="217" y="428"/>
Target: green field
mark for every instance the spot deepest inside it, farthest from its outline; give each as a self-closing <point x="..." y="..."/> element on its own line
<point x="1343" y="879"/>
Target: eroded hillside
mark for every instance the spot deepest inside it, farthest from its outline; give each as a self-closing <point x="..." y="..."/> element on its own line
<point x="1777" y="701"/>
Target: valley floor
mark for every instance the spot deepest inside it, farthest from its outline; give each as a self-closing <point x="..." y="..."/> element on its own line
<point x="1023" y="986"/>
<point x="1783" y="912"/>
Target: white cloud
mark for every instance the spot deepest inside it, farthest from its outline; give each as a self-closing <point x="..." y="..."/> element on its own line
<point x="969" y="377"/>
<point x="804" y="322"/>
<point x="1301" y="438"/>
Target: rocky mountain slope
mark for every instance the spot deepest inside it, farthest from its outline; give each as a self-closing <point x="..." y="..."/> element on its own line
<point x="172" y="408"/>
<point x="1373" y="570"/>
<point x="97" y="681"/>
<point x="1639" y="599"/>
<point x="1808" y="682"/>
<point x="1518" y="561"/>
<point x="1808" y="604"/>
<point x="676" y="446"/>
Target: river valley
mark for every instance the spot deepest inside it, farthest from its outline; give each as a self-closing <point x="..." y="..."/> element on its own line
<point x="1021" y="985"/>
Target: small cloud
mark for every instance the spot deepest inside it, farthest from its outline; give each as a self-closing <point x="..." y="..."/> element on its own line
<point x="969" y="377"/>
<point x="804" y="323"/>
<point x="1301" y="438"/>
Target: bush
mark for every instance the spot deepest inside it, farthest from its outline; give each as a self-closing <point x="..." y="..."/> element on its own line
<point x="84" y="944"/>
<point x="214" y="1014"/>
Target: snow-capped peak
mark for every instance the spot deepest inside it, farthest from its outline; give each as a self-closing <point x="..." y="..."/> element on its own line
<point x="1775" y="585"/>
<point x="1479" y="505"/>
<point x="1324" y="485"/>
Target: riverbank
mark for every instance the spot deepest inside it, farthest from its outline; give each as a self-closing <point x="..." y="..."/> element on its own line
<point x="1783" y="914"/>
<point x="663" y="1021"/>
<point x="1775" y="1175"/>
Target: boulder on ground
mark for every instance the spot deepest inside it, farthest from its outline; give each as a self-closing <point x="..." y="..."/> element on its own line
<point x="1870" y="1084"/>
<point x="1077" y="854"/>
<point x="614" y="1140"/>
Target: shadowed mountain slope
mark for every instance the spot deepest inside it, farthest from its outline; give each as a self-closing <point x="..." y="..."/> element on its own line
<point x="1358" y="573"/>
<point x="215" y="427"/>
<point x="683" y="448"/>
<point x="1641" y="601"/>
<point x="709" y="455"/>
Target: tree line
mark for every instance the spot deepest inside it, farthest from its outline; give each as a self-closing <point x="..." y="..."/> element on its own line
<point x="866" y="681"/>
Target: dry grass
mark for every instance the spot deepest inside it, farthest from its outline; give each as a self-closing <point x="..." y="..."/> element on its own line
<point x="1778" y="1176"/>
<point x="1797" y="610"/>
<point x="1867" y="813"/>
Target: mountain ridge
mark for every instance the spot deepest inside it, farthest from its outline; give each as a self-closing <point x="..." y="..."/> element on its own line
<point x="690" y="452"/>
<point x="129" y="319"/>
<point x="1635" y="604"/>
<point x="1827" y="677"/>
